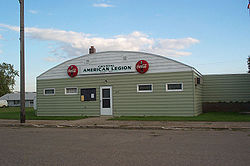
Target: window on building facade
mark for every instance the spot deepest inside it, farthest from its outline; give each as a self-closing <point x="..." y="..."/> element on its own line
<point x="70" y="91"/>
<point x="16" y="102"/>
<point x="49" y="91"/>
<point x="174" y="87"/>
<point x="145" y="88"/>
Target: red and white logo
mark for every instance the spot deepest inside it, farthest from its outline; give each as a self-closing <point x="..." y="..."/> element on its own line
<point x="142" y="66"/>
<point x="72" y="71"/>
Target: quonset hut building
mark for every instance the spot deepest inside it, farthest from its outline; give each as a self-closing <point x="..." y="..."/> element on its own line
<point x="122" y="83"/>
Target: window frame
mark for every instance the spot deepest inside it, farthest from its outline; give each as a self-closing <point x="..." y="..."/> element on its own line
<point x="65" y="91"/>
<point x="49" y="89"/>
<point x="16" y="102"/>
<point x="174" y="90"/>
<point x="144" y="90"/>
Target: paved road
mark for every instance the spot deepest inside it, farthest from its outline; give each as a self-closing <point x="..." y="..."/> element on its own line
<point x="114" y="147"/>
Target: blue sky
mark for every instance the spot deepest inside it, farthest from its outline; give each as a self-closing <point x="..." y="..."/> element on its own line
<point x="212" y="36"/>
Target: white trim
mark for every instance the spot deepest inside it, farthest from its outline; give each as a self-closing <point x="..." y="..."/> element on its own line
<point x="174" y="90"/>
<point x="106" y="111"/>
<point x="144" y="90"/>
<point x="49" y="89"/>
<point x="65" y="89"/>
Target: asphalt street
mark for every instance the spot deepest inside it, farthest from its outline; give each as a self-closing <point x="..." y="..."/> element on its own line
<point x="112" y="147"/>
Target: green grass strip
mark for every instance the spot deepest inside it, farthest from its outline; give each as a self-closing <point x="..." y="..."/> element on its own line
<point x="14" y="113"/>
<point x="211" y="116"/>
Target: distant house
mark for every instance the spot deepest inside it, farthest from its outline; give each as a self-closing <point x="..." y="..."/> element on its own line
<point x="14" y="99"/>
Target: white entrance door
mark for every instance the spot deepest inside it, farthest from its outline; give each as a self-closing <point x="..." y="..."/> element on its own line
<point x="106" y="100"/>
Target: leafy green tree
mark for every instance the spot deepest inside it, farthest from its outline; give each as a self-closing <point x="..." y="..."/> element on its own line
<point x="7" y="78"/>
<point x="248" y="62"/>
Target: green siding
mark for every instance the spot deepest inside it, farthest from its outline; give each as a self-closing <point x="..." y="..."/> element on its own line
<point x="226" y="88"/>
<point x="126" y="99"/>
<point x="197" y="95"/>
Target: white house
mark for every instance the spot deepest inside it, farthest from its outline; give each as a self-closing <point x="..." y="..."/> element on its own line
<point x="14" y="99"/>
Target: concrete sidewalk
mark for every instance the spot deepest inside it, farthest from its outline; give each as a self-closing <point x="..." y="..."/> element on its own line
<point x="103" y="122"/>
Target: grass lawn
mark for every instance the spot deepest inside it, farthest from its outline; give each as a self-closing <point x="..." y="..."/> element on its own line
<point x="211" y="116"/>
<point x="14" y="113"/>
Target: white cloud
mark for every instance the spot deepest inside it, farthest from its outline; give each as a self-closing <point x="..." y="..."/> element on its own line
<point x="33" y="11"/>
<point x="104" y="5"/>
<point x="1" y="38"/>
<point x="178" y="43"/>
<point x="66" y="44"/>
<point x="54" y="59"/>
<point x="14" y="28"/>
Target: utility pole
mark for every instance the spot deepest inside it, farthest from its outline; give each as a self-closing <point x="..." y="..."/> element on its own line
<point x="22" y="65"/>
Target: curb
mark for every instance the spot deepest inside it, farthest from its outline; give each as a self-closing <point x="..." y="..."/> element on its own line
<point x="124" y="127"/>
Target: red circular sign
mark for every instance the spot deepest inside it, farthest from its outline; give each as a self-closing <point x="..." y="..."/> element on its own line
<point x="142" y="66"/>
<point x="72" y="71"/>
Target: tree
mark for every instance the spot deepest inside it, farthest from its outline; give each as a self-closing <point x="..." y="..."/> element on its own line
<point x="248" y="62"/>
<point x="7" y="78"/>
